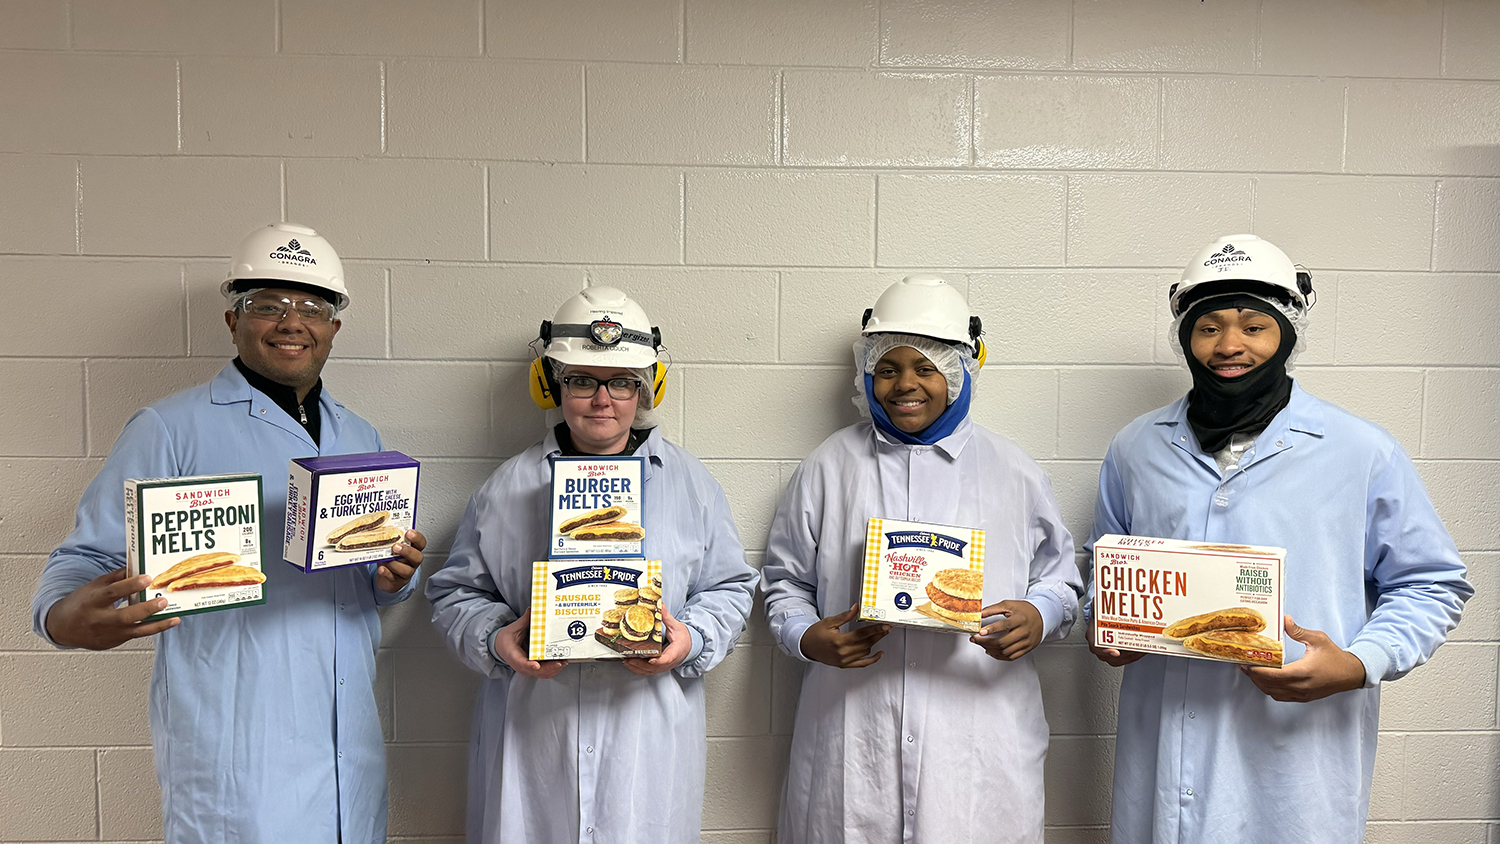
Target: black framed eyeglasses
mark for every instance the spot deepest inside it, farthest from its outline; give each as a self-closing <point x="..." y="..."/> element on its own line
<point x="586" y="386"/>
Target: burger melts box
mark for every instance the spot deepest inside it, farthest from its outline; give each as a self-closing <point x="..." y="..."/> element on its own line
<point x="348" y="509"/>
<point x="1195" y="599"/>
<point x="921" y="575"/>
<point x="198" y="538"/>
<point x="596" y="609"/>
<point x="596" y="508"/>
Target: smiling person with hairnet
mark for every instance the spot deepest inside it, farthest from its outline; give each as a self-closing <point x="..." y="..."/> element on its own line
<point x="584" y="752"/>
<point x="1216" y="753"/>
<point x="934" y="736"/>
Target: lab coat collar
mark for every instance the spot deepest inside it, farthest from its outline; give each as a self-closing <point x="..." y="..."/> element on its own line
<point x="1303" y="416"/>
<point x="230" y="387"/>
<point x="650" y="448"/>
<point x="951" y="446"/>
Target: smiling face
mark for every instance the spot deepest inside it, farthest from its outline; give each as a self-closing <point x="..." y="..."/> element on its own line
<point x="910" y="388"/>
<point x="289" y="351"/>
<point x="1234" y="341"/>
<point x="599" y="423"/>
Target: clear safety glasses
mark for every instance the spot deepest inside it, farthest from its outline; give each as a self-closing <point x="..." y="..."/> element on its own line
<point x="273" y="307"/>
<point x="584" y="387"/>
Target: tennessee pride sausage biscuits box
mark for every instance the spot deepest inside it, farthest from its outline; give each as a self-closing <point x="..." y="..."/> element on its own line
<point x="596" y="508"/>
<point x="595" y="609"/>
<point x="199" y="540"/>
<point x="921" y="575"/>
<point x="1196" y="599"/>
<point x="348" y="509"/>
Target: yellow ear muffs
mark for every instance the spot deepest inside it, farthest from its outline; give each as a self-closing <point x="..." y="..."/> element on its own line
<point x="980" y="355"/>
<point x="545" y="390"/>
<point x="658" y="383"/>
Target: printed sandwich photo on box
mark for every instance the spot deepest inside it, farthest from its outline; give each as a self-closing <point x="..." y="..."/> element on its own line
<point x="923" y="575"/>
<point x="348" y="509"/>
<point x="199" y="540"/>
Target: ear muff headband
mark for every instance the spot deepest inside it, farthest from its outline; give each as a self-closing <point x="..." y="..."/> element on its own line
<point x="546" y="392"/>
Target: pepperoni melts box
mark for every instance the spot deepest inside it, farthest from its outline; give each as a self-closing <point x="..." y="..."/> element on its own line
<point x="596" y="609"/>
<point x="348" y="509"/>
<point x="596" y="508"/>
<point x="199" y="540"/>
<point x="922" y="575"/>
<point x="1196" y="599"/>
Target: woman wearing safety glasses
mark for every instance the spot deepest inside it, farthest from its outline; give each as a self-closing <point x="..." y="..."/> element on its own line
<point x="592" y="751"/>
<point x="908" y="734"/>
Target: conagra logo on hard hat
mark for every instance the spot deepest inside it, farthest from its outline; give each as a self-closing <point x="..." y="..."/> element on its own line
<point x="1226" y="255"/>
<point x="294" y="252"/>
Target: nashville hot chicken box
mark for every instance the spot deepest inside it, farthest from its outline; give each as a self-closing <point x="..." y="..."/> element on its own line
<point x="922" y="575"/>
<point x="199" y="540"/>
<point x="596" y="508"/>
<point x="348" y="509"/>
<point x="1196" y="599"/>
<point x="596" y="609"/>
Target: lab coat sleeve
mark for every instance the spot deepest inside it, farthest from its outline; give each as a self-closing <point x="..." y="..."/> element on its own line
<point x="97" y="544"/>
<point x="790" y="573"/>
<point x="1110" y="516"/>
<point x="1414" y="574"/>
<point x="467" y="607"/>
<point x="722" y="592"/>
<point x="1054" y="584"/>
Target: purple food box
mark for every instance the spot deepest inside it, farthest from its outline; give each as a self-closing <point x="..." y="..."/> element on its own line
<point x="348" y="509"/>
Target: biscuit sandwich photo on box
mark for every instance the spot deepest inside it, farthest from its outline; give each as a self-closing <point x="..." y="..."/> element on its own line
<point x="957" y="596"/>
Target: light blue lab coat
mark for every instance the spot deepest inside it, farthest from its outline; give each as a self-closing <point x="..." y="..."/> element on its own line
<point x="596" y="754"/>
<point x="1202" y="756"/>
<point x="263" y="718"/>
<point x="938" y="741"/>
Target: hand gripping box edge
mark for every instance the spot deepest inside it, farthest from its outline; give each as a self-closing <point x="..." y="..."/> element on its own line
<point x="314" y="509"/>
<point x="959" y="612"/>
<point x="246" y="562"/>
<point x="1196" y="599"/>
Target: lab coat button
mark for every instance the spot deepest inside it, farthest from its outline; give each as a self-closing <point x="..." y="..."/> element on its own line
<point x="1190" y="792"/>
<point x="1192" y="715"/>
<point x="911" y="738"/>
<point x="1278" y="443"/>
<point x="590" y="748"/>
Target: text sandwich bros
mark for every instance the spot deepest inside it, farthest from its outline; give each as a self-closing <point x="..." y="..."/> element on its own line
<point x="596" y="609"/>
<point x="597" y="508"/>
<point x="923" y="575"/>
<point x="348" y="509"/>
<point x="199" y="540"/>
<point x="1196" y="599"/>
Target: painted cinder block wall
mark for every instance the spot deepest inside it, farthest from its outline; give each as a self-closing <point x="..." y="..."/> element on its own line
<point x="754" y="171"/>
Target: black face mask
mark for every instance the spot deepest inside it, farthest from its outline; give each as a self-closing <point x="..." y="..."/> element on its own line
<point x="1220" y="407"/>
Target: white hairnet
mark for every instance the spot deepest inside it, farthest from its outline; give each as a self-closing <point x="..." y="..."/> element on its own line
<point x="645" y="414"/>
<point x="951" y="360"/>
<point x="1297" y="318"/>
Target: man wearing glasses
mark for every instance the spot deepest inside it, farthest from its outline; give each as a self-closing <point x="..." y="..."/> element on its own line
<point x="263" y="718"/>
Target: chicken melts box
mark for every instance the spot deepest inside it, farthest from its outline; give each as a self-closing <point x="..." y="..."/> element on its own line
<point x="1194" y="599"/>
<point x="348" y="509"/>
<point x="199" y="540"/>
<point x="596" y="609"/>
<point x="596" y="508"/>
<point x="922" y="575"/>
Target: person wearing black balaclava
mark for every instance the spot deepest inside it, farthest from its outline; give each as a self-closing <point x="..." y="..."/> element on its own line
<point x="1248" y="457"/>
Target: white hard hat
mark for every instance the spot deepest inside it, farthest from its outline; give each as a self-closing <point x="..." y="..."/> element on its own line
<point x="601" y="326"/>
<point x="287" y="252"/>
<point x="925" y="305"/>
<point x="1243" y="258"/>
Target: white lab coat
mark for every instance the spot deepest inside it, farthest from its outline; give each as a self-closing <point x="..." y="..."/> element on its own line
<point x="595" y="755"/>
<point x="937" y="742"/>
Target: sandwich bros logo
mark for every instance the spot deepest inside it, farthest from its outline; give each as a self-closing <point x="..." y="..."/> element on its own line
<point x="926" y="539"/>
<point x="597" y="575"/>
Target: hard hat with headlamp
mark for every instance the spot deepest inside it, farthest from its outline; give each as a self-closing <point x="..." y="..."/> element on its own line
<point x="287" y="255"/>
<point x="1243" y="263"/>
<point x="928" y="306"/>
<point x="600" y="326"/>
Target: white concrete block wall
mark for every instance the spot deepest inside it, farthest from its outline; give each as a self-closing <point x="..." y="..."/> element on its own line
<point x="755" y="171"/>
